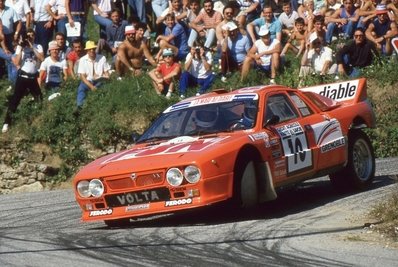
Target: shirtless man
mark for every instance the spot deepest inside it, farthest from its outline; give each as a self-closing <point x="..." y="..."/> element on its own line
<point x="130" y="54"/>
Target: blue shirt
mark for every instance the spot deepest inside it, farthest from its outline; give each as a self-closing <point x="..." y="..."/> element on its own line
<point x="239" y="48"/>
<point x="180" y="39"/>
<point x="115" y="32"/>
<point x="274" y="27"/>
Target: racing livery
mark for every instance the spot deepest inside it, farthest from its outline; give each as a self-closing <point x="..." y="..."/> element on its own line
<point x="238" y="146"/>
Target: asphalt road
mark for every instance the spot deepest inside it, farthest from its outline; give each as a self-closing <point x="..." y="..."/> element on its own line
<point x="310" y="225"/>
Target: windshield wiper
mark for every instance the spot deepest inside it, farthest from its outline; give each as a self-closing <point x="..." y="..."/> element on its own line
<point x="156" y="138"/>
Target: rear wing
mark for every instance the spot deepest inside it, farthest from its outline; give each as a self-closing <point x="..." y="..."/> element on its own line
<point x="349" y="92"/>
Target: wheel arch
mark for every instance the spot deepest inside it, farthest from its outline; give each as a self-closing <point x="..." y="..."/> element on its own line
<point x="262" y="170"/>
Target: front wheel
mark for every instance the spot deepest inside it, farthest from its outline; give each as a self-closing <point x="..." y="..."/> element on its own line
<point x="246" y="190"/>
<point x="360" y="169"/>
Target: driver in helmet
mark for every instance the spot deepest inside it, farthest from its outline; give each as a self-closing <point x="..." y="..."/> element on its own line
<point x="206" y="117"/>
<point x="248" y="117"/>
<point x="249" y="114"/>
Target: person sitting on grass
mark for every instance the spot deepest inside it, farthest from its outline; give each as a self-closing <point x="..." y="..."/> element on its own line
<point x="197" y="71"/>
<point x="234" y="49"/>
<point x="53" y="71"/>
<point x="316" y="60"/>
<point x="130" y="54"/>
<point x="356" y="55"/>
<point x="296" y="40"/>
<point x="93" y="70"/>
<point x="164" y="76"/>
<point x="264" y="53"/>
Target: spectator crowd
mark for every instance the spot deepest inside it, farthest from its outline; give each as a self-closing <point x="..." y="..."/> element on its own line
<point x="44" y="42"/>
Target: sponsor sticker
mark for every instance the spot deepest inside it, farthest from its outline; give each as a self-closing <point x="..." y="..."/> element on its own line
<point x="95" y="213"/>
<point x="333" y="145"/>
<point x="338" y="91"/>
<point x="178" y="202"/>
<point x="137" y="207"/>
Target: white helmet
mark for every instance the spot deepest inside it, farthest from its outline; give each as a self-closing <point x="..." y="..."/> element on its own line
<point x="206" y="117"/>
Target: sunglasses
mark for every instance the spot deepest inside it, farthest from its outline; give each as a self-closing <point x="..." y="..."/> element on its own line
<point x="358" y="35"/>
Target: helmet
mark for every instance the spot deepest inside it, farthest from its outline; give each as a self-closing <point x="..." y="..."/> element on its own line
<point x="206" y="117"/>
<point x="249" y="114"/>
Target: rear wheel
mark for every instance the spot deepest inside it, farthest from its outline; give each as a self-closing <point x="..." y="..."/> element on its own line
<point x="117" y="223"/>
<point x="360" y="169"/>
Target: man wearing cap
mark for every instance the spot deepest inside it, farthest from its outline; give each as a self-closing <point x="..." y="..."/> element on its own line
<point x="129" y="57"/>
<point x="317" y="59"/>
<point x="164" y="76"/>
<point x="93" y="70"/>
<point x="234" y="49"/>
<point x="197" y="71"/>
<point x="267" y="19"/>
<point x="228" y="14"/>
<point x="381" y="30"/>
<point x="54" y="69"/>
<point x="265" y="53"/>
<point x="28" y="57"/>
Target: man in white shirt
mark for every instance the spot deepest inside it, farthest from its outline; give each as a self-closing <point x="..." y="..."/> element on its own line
<point x="93" y="69"/>
<point x="198" y="71"/>
<point x="265" y="52"/>
<point x="318" y="60"/>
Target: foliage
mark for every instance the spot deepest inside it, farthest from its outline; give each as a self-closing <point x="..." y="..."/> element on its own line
<point x="119" y="108"/>
<point x="386" y="212"/>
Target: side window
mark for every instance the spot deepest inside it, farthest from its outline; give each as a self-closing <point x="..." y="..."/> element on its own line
<point x="301" y="105"/>
<point x="280" y="106"/>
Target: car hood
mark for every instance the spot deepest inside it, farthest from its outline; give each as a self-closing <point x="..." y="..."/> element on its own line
<point x="159" y="155"/>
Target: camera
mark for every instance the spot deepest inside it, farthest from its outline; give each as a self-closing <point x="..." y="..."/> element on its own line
<point x="197" y="49"/>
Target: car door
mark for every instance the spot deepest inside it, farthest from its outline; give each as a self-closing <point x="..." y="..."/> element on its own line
<point x="296" y="138"/>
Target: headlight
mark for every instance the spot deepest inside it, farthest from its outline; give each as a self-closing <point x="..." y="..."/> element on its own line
<point x="174" y="177"/>
<point x="192" y="174"/>
<point x="96" y="188"/>
<point x="83" y="189"/>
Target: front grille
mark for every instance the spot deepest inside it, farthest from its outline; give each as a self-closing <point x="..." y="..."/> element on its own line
<point x="136" y="180"/>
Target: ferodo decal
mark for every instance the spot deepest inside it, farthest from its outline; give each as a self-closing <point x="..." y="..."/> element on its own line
<point x="178" y="202"/>
<point x="95" y="213"/>
<point x="328" y="135"/>
<point x="338" y="91"/>
<point x="165" y="148"/>
<point x="295" y="147"/>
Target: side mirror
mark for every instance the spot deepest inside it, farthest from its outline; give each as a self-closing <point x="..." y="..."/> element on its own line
<point x="273" y="120"/>
<point x="134" y="137"/>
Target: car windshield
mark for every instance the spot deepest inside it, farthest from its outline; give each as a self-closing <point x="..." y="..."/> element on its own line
<point x="203" y="119"/>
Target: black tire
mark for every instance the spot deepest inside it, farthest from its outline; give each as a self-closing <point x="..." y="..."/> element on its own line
<point x="118" y="223"/>
<point x="246" y="191"/>
<point x="360" y="169"/>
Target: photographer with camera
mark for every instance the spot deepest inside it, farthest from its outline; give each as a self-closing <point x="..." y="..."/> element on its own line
<point x="27" y="59"/>
<point x="197" y="71"/>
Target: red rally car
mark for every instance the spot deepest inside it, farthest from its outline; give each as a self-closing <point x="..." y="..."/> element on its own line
<point x="240" y="145"/>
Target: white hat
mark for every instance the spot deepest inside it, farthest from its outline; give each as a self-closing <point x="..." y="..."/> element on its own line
<point x="129" y="29"/>
<point x="263" y="31"/>
<point x="230" y="26"/>
<point x="313" y="37"/>
<point x="168" y="52"/>
<point x="381" y="9"/>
